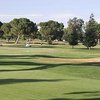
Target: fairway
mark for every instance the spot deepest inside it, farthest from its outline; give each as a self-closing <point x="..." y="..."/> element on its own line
<point x="54" y="72"/>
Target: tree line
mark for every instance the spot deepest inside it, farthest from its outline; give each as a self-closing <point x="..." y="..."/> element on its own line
<point x="76" y="32"/>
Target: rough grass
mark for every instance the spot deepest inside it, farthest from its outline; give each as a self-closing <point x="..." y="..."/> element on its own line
<point x="49" y="73"/>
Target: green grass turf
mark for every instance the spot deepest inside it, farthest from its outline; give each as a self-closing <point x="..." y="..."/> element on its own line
<point x="25" y="76"/>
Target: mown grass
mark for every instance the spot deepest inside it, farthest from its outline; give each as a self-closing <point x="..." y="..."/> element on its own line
<point x="30" y="74"/>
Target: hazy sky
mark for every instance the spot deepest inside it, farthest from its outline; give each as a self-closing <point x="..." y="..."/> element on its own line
<point x="44" y="10"/>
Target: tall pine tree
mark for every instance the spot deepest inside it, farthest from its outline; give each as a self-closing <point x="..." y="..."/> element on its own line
<point x="90" y="35"/>
<point x="74" y="30"/>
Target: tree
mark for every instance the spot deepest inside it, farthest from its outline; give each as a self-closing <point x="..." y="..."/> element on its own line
<point x="1" y="24"/>
<point x="74" y="31"/>
<point x="65" y="35"/>
<point x="98" y="33"/>
<point x="6" y="28"/>
<point x="51" y="30"/>
<point x="90" y="35"/>
<point x="1" y="32"/>
<point x="30" y="30"/>
<point x="23" y="27"/>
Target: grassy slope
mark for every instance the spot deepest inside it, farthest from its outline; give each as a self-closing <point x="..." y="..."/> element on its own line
<point x="24" y="76"/>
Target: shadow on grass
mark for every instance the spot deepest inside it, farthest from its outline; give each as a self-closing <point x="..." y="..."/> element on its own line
<point x="44" y="46"/>
<point x="14" y="81"/>
<point x="59" y="99"/>
<point x="41" y="66"/>
<point x="32" y="46"/>
<point x="84" y="92"/>
<point x="91" y="99"/>
<point x="26" y="56"/>
<point x="88" y="49"/>
<point x="74" y="99"/>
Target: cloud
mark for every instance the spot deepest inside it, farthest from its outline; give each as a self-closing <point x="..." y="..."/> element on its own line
<point x="30" y="15"/>
<point x="60" y="17"/>
<point x="38" y="17"/>
<point x="7" y="18"/>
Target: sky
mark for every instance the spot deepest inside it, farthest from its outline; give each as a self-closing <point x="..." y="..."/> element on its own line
<point x="44" y="10"/>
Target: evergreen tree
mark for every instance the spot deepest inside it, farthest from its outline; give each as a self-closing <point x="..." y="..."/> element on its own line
<point x="90" y="35"/>
<point x="74" y="30"/>
<point x="1" y="32"/>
